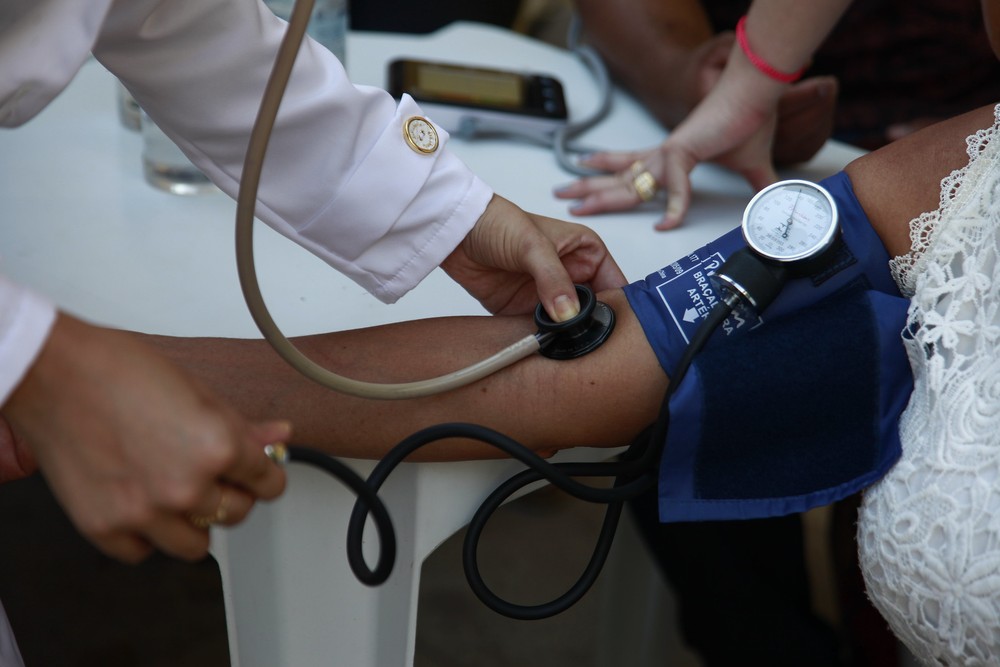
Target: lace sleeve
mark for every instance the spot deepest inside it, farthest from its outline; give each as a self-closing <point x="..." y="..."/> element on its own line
<point x="929" y="532"/>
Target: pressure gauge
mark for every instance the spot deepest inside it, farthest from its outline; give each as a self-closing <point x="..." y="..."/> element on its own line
<point x="791" y="221"/>
<point x="791" y="228"/>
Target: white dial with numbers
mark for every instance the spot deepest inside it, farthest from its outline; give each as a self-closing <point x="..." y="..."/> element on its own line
<point x="791" y="221"/>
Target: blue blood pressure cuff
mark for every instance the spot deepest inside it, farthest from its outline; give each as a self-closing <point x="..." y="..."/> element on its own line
<point x="791" y="411"/>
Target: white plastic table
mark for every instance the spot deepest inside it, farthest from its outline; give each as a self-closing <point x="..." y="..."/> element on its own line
<point x="82" y="226"/>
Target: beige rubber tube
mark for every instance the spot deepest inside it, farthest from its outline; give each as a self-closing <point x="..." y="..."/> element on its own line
<point x="246" y="202"/>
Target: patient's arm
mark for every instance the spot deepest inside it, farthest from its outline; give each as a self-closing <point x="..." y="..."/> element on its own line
<point x="897" y="183"/>
<point x="602" y="399"/>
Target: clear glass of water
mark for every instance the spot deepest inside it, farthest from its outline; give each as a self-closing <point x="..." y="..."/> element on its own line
<point x="128" y="109"/>
<point x="328" y="24"/>
<point x="166" y="167"/>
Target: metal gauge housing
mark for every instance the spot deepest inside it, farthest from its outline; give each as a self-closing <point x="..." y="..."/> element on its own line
<point x="791" y="221"/>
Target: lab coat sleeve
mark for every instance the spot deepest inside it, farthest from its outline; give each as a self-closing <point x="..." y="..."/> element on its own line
<point x="10" y="655"/>
<point x="339" y="177"/>
<point x="25" y="321"/>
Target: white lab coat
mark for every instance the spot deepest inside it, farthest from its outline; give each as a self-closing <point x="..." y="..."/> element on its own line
<point x="339" y="177"/>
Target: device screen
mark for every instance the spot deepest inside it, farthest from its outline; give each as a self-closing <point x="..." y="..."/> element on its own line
<point x="478" y="87"/>
<point x="469" y="86"/>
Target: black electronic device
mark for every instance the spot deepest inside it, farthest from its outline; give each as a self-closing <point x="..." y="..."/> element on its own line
<point x="462" y="98"/>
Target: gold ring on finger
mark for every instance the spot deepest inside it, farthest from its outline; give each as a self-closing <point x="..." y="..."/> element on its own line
<point x="220" y="514"/>
<point x="645" y="185"/>
<point x="635" y="169"/>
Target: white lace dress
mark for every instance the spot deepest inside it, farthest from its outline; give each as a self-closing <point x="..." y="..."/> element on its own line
<point x="929" y="532"/>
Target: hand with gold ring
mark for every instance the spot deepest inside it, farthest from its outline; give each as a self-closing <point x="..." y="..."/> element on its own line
<point x="632" y="179"/>
<point x="224" y="511"/>
<point x="733" y="126"/>
<point x="234" y="504"/>
<point x="135" y="450"/>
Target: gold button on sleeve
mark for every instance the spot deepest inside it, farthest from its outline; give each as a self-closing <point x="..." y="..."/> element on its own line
<point x="420" y="134"/>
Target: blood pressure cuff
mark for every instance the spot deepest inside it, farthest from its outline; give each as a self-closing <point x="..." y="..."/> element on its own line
<point x="793" y="415"/>
<point x="737" y="446"/>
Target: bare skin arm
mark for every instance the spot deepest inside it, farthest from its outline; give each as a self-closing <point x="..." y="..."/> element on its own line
<point x="668" y="56"/>
<point x="897" y="183"/>
<point x="603" y="399"/>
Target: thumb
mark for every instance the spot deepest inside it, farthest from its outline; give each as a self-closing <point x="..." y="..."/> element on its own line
<point x="556" y="290"/>
<point x="271" y="432"/>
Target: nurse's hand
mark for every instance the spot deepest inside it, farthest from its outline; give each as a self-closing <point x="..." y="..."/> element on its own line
<point x="511" y="260"/>
<point x="733" y="126"/>
<point x="136" y="451"/>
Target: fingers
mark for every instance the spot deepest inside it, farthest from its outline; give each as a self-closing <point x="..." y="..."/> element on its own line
<point x="180" y="534"/>
<point x="252" y="469"/>
<point x="637" y="182"/>
<point x="678" y="194"/>
<point x="126" y="547"/>
<point x="579" y="254"/>
<point x="132" y="446"/>
<point x="611" y="162"/>
<point x="226" y="506"/>
<point x="556" y="291"/>
<point x="666" y="169"/>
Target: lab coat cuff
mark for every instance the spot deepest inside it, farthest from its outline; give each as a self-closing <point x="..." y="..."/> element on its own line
<point x="429" y="212"/>
<point x="25" y="321"/>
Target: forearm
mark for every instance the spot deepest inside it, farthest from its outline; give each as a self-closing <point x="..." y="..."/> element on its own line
<point x="649" y="47"/>
<point x="786" y="33"/>
<point x="602" y="399"/>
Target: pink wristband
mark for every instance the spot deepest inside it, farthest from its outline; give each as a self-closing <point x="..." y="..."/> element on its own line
<point x="762" y="65"/>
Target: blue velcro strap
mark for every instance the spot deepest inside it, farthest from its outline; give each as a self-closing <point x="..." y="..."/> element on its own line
<point x="793" y="415"/>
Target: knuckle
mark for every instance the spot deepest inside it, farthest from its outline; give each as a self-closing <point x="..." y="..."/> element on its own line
<point x="183" y="496"/>
<point x="217" y="445"/>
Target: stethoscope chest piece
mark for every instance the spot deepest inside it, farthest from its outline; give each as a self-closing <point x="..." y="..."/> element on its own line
<point x="577" y="336"/>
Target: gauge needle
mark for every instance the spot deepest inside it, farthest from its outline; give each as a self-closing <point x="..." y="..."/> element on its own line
<point x="791" y="216"/>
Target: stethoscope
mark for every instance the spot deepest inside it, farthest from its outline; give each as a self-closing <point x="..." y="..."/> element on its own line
<point x="787" y="226"/>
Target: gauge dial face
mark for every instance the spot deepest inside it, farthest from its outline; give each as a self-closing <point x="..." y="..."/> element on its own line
<point x="791" y="221"/>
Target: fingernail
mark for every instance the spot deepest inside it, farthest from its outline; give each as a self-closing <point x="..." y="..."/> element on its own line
<point x="673" y="209"/>
<point x="566" y="308"/>
<point x="562" y="188"/>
